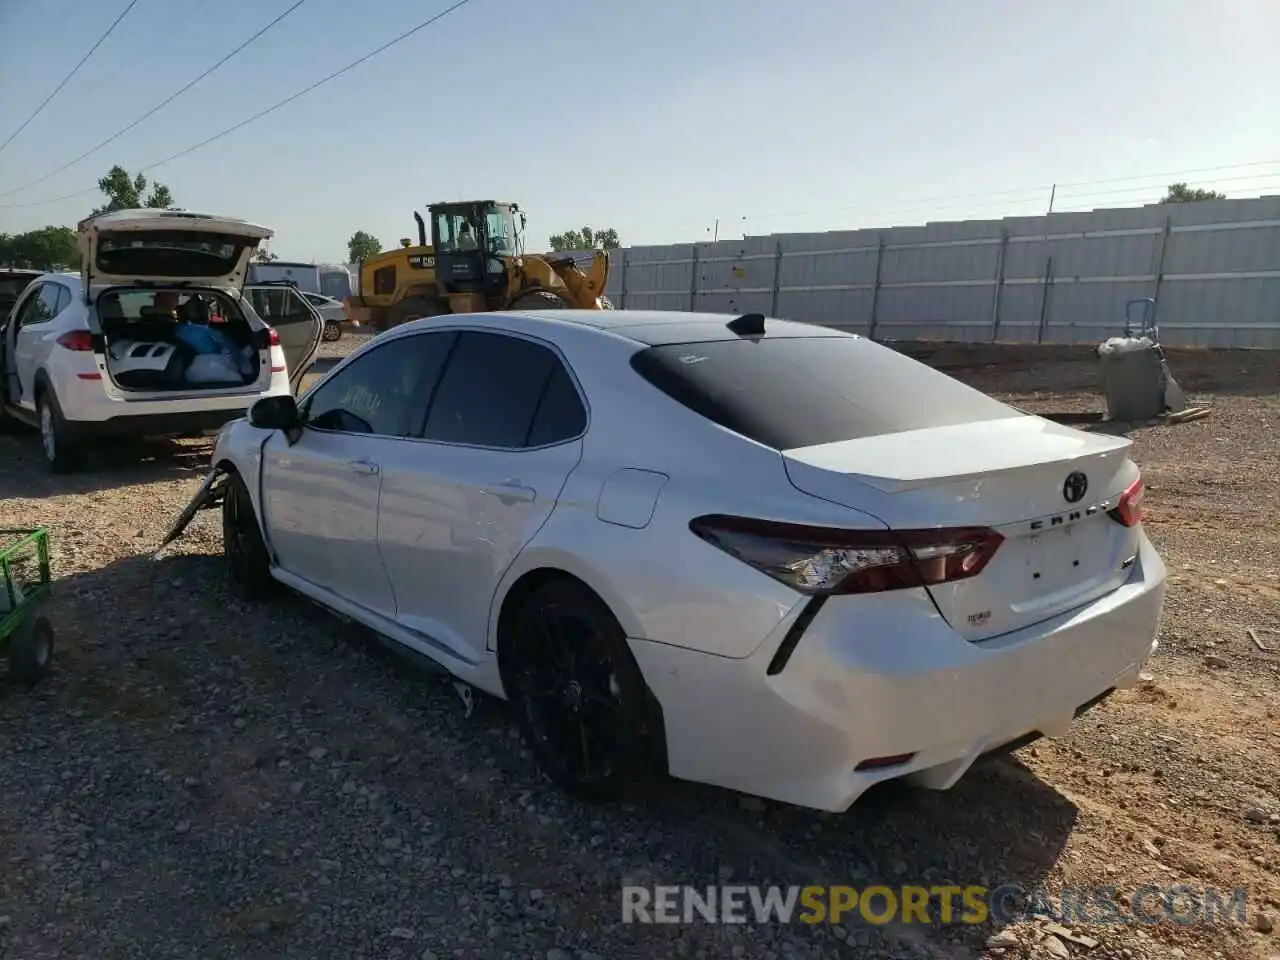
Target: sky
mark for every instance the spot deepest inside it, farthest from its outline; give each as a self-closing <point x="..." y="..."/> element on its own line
<point x="670" y="121"/>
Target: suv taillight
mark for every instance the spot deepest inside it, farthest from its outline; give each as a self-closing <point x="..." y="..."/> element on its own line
<point x="273" y="338"/>
<point x="80" y="341"/>
<point x="823" y="561"/>
<point x="1128" y="509"/>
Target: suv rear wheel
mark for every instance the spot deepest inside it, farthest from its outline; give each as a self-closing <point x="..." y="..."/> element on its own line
<point x="61" y="453"/>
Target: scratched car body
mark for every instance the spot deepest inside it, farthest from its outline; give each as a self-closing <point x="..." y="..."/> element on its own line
<point x="764" y="555"/>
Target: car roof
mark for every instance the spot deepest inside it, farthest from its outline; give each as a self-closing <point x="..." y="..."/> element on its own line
<point x="652" y="327"/>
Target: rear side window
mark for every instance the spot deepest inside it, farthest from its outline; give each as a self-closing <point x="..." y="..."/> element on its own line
<point x="46" y="307"/>
<point x="560" y="415"/>
<point x="790" y="392"/>
<point x="491" y="392"/>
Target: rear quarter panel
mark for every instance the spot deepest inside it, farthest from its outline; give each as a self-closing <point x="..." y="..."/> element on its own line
<point x="663" y="583"/>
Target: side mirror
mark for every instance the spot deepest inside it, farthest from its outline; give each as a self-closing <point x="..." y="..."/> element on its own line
<point x="274" y="413"/>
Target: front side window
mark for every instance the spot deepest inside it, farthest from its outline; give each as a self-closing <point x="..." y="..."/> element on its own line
<point x="385" y="391"/>
<point x="29" y="312"/>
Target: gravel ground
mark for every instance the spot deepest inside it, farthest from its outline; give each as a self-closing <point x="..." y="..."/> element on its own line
<point x="202" y="779"/>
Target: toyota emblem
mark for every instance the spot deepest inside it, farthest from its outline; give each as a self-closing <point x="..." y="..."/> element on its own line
<point x="1075" y="487"/>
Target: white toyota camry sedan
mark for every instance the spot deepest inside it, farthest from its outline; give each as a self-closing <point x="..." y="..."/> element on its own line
<point x="743" y="551"/>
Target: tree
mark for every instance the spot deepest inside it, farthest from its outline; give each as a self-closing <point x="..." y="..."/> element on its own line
<point x="1181" y="193"/>
<point x="49" y="248"/>
<point x="585" y="239"/>
<point x="127" y="193"/>
<point x="263" y="255"/>
<point x="362" y="246"/>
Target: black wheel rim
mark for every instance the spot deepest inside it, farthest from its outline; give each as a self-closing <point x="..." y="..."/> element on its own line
<point x="571" y="696"/>
<point x="236" y="536"/>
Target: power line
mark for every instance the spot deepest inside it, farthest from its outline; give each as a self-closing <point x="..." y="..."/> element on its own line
<point x="1016" y="197"/>
<point x="74" y="71"/>
<point x="158" y="107"/>
<point x="269" y="110"/>
<point x="305" y="90"/>
<point x="125" y="63"/>
<point x="1043" y="188"/>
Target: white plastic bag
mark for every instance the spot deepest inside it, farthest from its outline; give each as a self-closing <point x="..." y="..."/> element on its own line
<point x="1114" y="345"/>
<point x="212" y="368"/>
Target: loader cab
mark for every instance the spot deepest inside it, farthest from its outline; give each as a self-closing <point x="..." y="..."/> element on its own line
<point x="473" y="240"/>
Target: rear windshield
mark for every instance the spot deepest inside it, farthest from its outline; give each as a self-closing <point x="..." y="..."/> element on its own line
<point x="799" y="392"/>
<point x="180" y="253"/>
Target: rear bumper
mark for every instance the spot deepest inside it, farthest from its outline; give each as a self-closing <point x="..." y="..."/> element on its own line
<point x="190" y="423"/>
<point x="883" y="676"/>
<point x="90" y="411"/>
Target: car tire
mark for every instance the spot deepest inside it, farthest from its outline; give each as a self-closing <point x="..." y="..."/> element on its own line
<point x="245" y="553"/>
<point x="539" y="300"/>
<point x="579" y="697"/>
<point x="413" y="308"/>
<point x="332" y="331"/>
<point x="31" y="651"/>
<point x="61" y="453"/>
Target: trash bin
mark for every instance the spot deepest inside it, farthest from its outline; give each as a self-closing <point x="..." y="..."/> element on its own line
<point x="1134" y="378"/>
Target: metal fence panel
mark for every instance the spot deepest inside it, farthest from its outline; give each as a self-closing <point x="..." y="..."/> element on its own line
<point x="1213" y="267"/>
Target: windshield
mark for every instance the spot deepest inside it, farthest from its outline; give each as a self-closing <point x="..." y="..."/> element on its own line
<point x="790" y="392"/>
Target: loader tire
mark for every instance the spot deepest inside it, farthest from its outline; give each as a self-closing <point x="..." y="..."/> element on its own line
<point x="412" y="308"/>
<point x="540" y="300"/>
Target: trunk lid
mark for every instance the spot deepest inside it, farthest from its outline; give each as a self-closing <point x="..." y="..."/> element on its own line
<point x="169" y="246"/>
<point x="1020" y="476"/>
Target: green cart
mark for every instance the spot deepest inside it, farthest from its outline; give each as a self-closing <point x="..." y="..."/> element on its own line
<point x="26" y="635"/>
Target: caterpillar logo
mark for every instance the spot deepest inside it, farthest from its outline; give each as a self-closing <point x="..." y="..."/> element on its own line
<point x="422" y="262"/>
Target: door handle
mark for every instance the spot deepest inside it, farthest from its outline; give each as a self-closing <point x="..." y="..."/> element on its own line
<point x="365" y="467"/>
<point x="510" y="491"/>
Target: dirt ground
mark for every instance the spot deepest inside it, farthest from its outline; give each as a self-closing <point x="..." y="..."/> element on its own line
<point x="202" y="779"/>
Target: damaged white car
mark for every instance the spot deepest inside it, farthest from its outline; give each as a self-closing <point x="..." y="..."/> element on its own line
<point x="758" y="554"/>
<point x="154" y="337"/>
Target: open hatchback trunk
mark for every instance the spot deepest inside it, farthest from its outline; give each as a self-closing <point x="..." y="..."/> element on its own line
<point x="1008" y="521"/>
<point x="166" y="246"/>
<point x="169" y="317"/>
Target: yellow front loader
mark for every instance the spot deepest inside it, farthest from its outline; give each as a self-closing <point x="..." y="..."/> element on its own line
<point x="475" y="261"/>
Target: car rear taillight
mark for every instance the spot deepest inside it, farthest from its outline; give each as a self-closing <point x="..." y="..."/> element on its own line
<point x="77" y="340"/>
<point x="1128" y="509"/>
<point x="823" y="560"/>
<point x="273" y="338"/>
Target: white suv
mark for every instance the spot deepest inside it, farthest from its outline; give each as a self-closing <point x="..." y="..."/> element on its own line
<point x="155" y="337"/>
